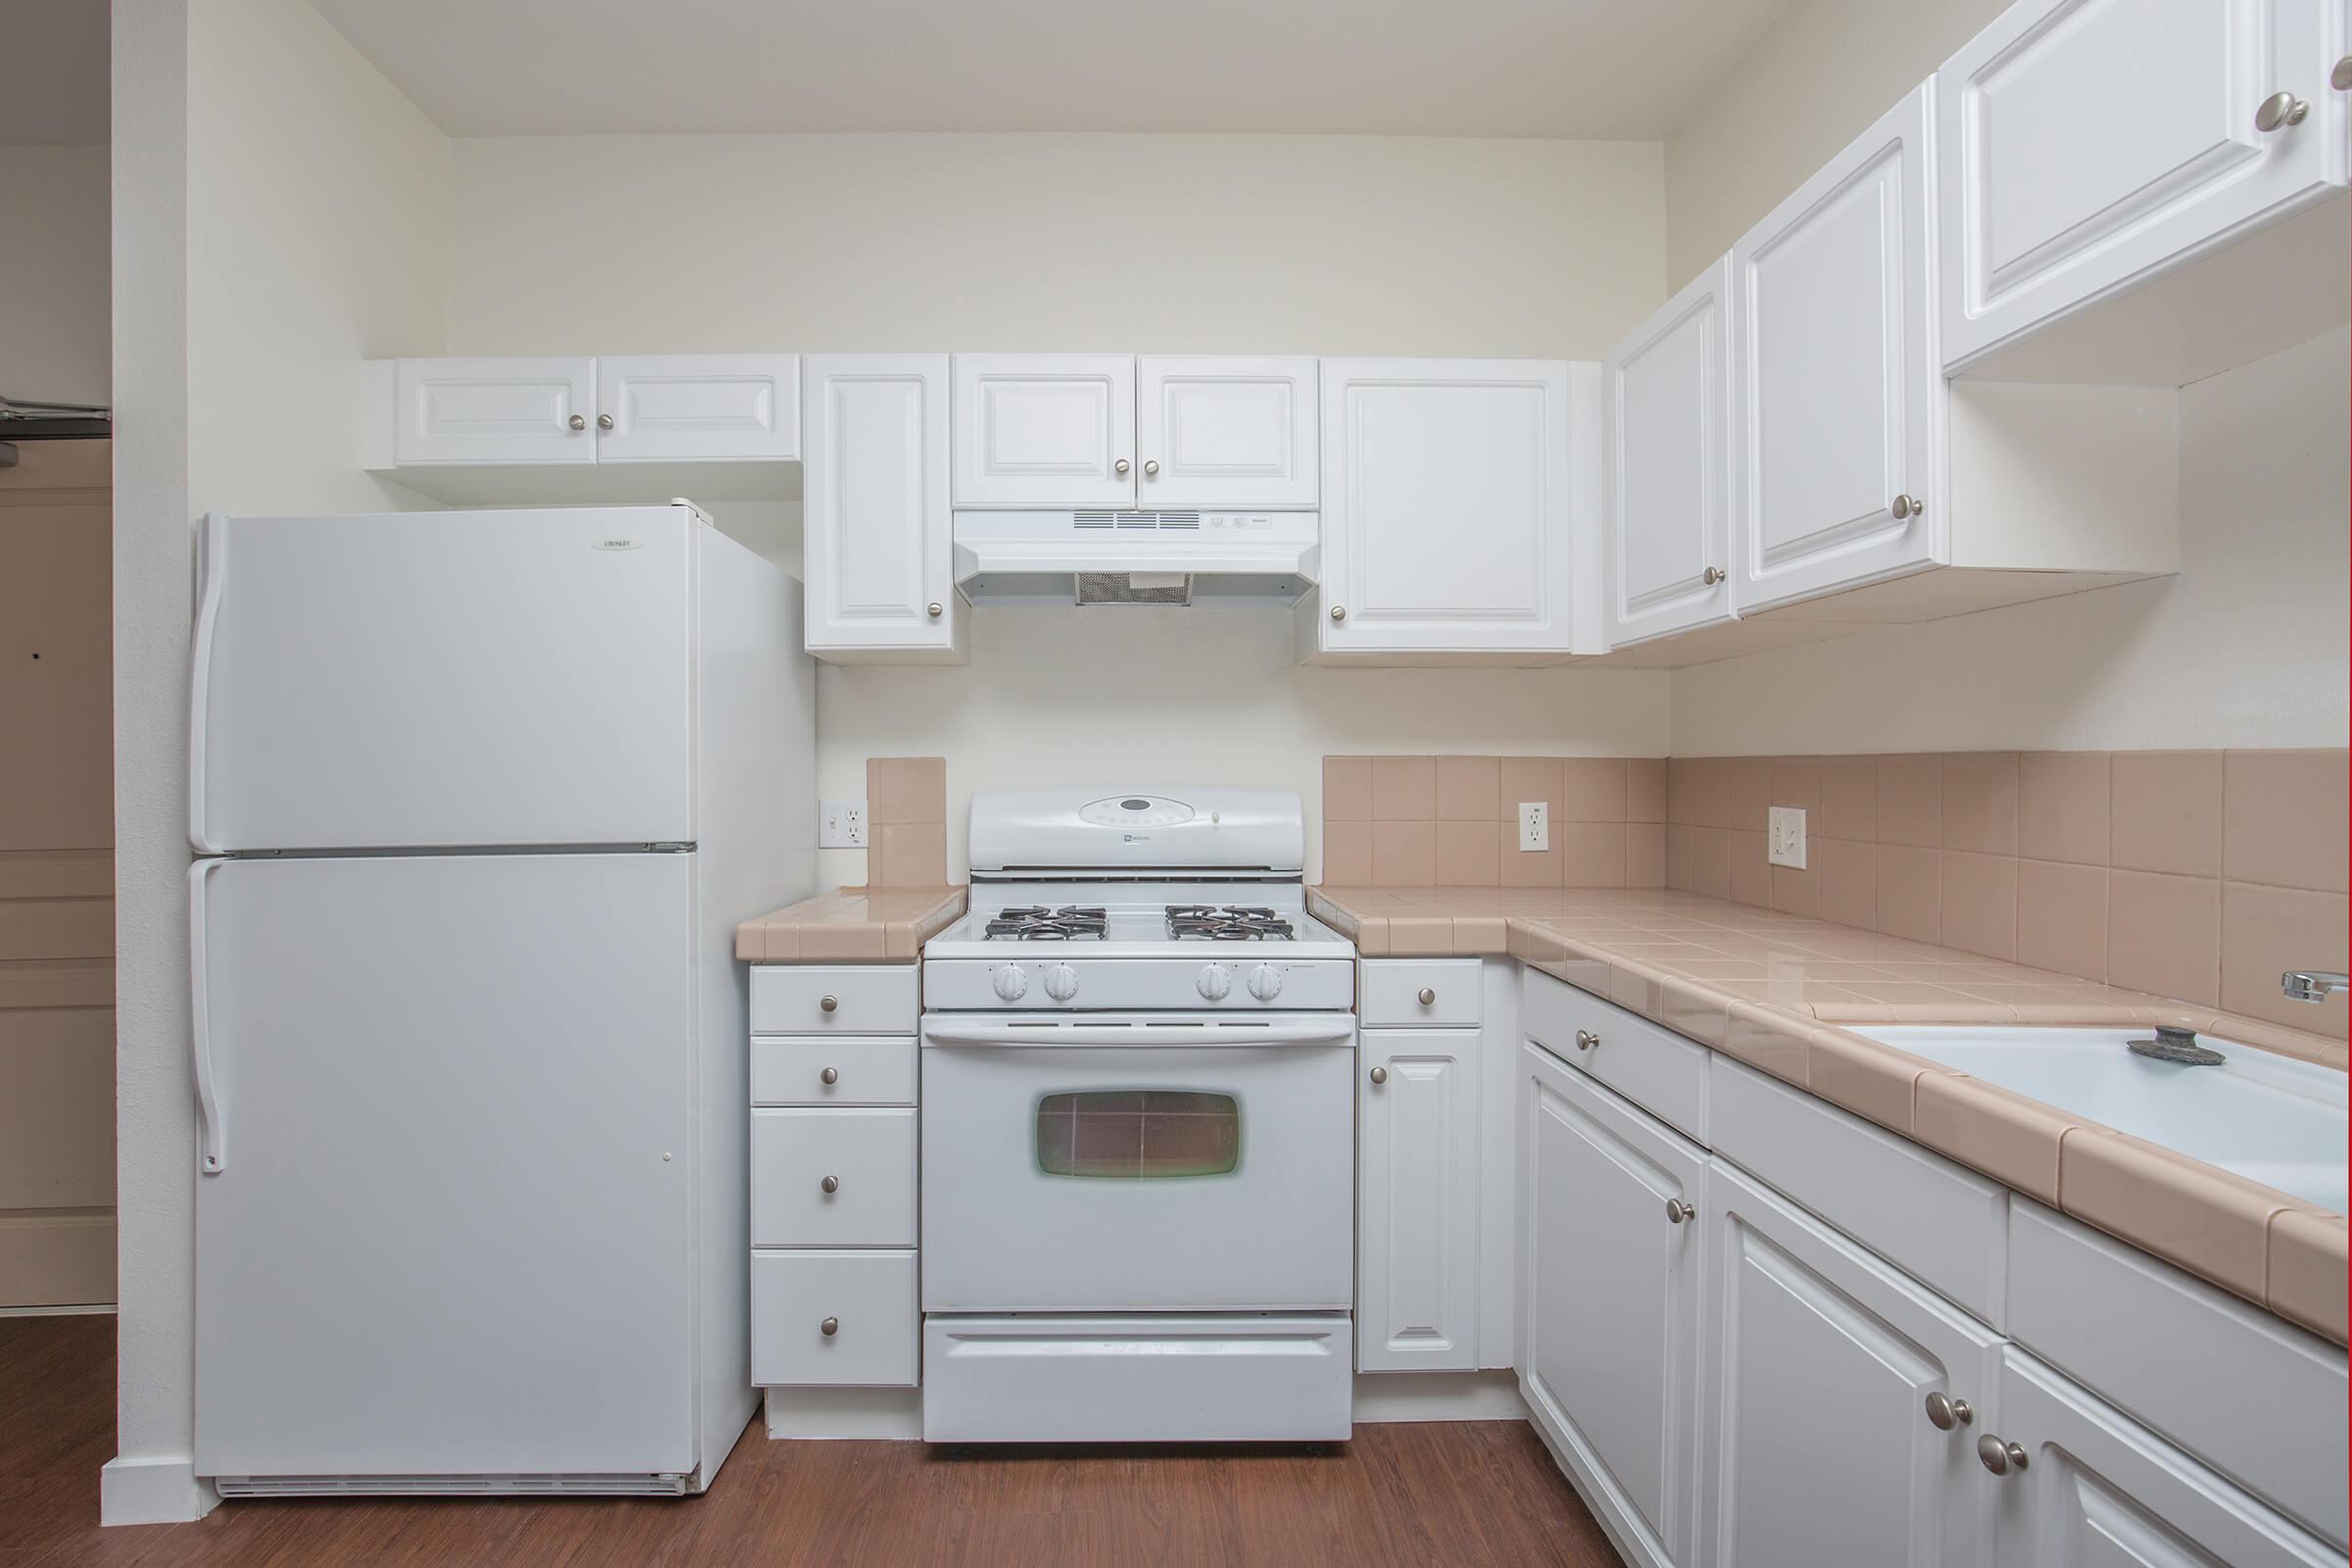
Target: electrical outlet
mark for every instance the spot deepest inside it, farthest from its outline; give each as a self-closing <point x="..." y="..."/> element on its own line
<point x="841" y="825"/>
<point x="1535" y="825"/>
<point x="1784" y="835"/>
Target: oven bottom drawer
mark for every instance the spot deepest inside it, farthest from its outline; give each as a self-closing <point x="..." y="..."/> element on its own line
<point x="1135" y="1378"/>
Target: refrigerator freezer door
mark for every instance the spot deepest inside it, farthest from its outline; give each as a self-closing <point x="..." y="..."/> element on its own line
<point x="452" y="1231"/>
<point x="431" y="680"/>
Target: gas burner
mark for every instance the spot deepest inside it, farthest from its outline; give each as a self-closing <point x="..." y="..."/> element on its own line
<point x="1034" y="922"/>
<point x="1225" y="922"/>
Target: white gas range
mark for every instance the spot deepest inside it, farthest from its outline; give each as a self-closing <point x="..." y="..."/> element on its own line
<point x="1139" y="1128"/>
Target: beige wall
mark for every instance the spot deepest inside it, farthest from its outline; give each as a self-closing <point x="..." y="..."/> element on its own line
<point x="1823" y="73"/>
<point x="1245" y="244"/>
<point x="53" y="274"/>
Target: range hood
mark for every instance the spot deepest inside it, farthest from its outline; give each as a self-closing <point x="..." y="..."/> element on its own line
<point x="1136" y="558"/>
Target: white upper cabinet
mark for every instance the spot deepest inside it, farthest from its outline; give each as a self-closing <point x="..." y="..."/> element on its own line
<point x="1045" y="430"/>
<point x="1417" y="1253"/>
<point x="1446" y="503"/>
<point x="1225" y="432"/>
<point x="1666" y="488"/>
<point x="2086" y="146"/>
<point x="1836" y="385"/>
<point x="494" y="411"/>
<point x="878" y="554"/>
<point x="685" y="407"/>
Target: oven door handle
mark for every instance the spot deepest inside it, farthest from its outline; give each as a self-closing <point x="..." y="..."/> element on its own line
<point x="1339" y="1031"/>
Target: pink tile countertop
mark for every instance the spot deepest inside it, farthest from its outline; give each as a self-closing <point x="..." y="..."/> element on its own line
<point x="1769" y="989"/>
<point x="851" y="925"/>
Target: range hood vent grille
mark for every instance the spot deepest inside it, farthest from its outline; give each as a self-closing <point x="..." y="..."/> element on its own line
<point x="1124" y="588"/>
<point x="1131" y="521"/>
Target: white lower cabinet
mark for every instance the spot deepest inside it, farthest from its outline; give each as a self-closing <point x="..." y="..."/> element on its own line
<point x="1612" y="1206"/>
<point x="1417" y="1105"/>
<point x="839" y="1318"/>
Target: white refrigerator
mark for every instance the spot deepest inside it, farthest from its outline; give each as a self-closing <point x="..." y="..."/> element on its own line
<point x="477" y="799"/>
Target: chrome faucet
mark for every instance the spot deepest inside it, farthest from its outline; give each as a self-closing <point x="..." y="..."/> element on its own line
<point x="2312" y="985"/>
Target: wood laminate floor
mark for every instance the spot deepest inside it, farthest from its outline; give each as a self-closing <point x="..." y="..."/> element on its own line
<point x="1449" y="1493"/>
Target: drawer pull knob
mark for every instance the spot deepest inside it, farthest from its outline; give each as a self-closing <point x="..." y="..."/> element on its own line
<point x="1945" y="1413"/>
<point x="1711" y="577"/>
<point x="604" y="421"/>
<point x="1429" y="998"/>
<point x="1379" y="1075"/>
<point x="1998" y="1456"/>
<point x="1678" y="1212"/>
<point x="831" y="1075"/>
<point x="579" y="421"/>
<point x="828" y="1005"/>
<point x="1908" y="507"/>
<point x="1585" y="1040"/>
<point x="829" y="1327"/>
<point x="2280" y="110"/>
<point x="831" y="1184"/>
<point x="1119" y="467"/>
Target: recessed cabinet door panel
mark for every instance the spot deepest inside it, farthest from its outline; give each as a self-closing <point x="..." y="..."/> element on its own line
<point x="494" y="411"/>
<point x="1225" y="432"/>
<point x="1417" y="1302"/>
<point x="1445" y="505"/>
<point x="1820" y="1448"/>
<point x="686" y="408"/>
<point x="2099" y="1491"/>
<point x="1047" y="430"/>
<point x="1836" y="382"/>
<point x="1611" y="1291"/>
<point x="874" y="487"/>
<point x="1667" y="507"/>
<point x="2087" y="145"/>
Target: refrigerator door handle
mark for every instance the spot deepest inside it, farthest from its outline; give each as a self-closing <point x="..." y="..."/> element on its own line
<point x="211" y="1140"/>
<point x="212" y="554"/>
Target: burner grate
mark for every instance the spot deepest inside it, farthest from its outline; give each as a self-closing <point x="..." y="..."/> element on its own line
<point x="1226" y="922"/>
<point x="1034" y="922"/>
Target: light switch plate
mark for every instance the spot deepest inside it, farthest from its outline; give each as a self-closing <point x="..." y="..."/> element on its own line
<point x="1535" y="826"/>
<point x="1784" y="835"/>
<point x="841" y="825"/>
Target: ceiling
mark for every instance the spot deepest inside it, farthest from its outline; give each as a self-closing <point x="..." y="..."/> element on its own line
<point x="54" y="76"/>
<point x="1604" y="68"/>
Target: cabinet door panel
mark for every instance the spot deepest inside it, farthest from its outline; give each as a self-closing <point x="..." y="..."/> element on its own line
<point x="1225" y="432"/>
<point x="1417" y="1299"/>
<point x="1445" y="505"/>
<point x="689" y="407"/>
<point x="1045" y="430"/>
<point x="1820" y="1359"/>
<point x="1611" y="1292"/>
<point x="1836" y="388"/>
<point x="2087" y="145"/>
<point x="878" y="548"/>
<point x="494" y="411"/>
<point x="1666" y="516"/>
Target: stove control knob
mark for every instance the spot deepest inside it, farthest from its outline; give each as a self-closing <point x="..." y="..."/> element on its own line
<point x="1061" y="982"/>
<point x="1265" y="982"/>
<point x="1214" y="983"/>
<point x="1012" y="983"/>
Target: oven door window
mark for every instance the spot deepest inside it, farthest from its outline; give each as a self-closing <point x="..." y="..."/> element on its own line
<point x="1139" y="1134"/>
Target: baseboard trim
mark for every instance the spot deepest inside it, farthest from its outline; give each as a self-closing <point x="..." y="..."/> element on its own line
<point x="92" y="1309"/>
<point x="1438" y="1397"/>
<point x="153" y="1491"/>
<point x="805" y="1414"/>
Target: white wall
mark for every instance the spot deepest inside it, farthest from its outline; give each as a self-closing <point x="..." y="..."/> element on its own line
<point x="1328" y="245"/>
<point x="53" y="274"/>
<point x="278" y="212"/>
<point x="2247" y="646"/>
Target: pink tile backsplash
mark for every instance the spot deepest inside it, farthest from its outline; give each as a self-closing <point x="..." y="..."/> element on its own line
<point x="1414" y="821"/>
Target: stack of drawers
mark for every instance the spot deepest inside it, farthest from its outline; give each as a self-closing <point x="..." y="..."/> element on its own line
<point x="833" y="1176"/>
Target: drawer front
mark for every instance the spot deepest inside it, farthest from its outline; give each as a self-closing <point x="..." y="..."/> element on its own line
<point x="2248" y="1394"/>
<point x="1655" y="1069"/>
<point x="1944" y="1226"/>
<point x="868" y="1155"/>
<point x="867" y="1297"/>
<point x="1392" y="988"/>
<point x="864" y="1000"/>
<point x="864" y="1073"/>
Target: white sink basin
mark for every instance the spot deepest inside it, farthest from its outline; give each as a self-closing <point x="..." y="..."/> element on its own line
<point x="2272" y="1118"/>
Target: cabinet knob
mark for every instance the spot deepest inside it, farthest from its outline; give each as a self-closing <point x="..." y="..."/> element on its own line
<point x="579" y="421"/>
<point x="2340" y="78"/>
<point x="829" y="1327"/>
<point x="1711" y="577"/>
<point x="831" y="1184"/>
<point x="1339" y="612"/>
<point x="1379" y="1075"/>
<point x="604" y="421"/>
<point x="2284" y="108"/>
<point x="1429" y="998"/>
<point x="1678" y="1212"/>
<point x="1585" y="1040"/>
<point x="1945" y="1413"/>
<point x="831" y="1075"/>
<point x="828" y="1003"/>
<point x="1151" y="467"/>
<point x="1119" y="467"/>
<point x="936" y="608"/>
<point x="2000" y="1457"/>
<point x="1907" y="507"/>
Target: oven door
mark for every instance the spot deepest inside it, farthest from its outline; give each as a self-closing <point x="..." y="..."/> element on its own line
<point x="1178" y="1163"/>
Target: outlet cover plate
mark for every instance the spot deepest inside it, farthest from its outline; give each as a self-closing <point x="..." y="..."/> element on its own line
<point x="1784" y="835"/>
<point x="1535" y="826"/>
<point x="841" y="825"/>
